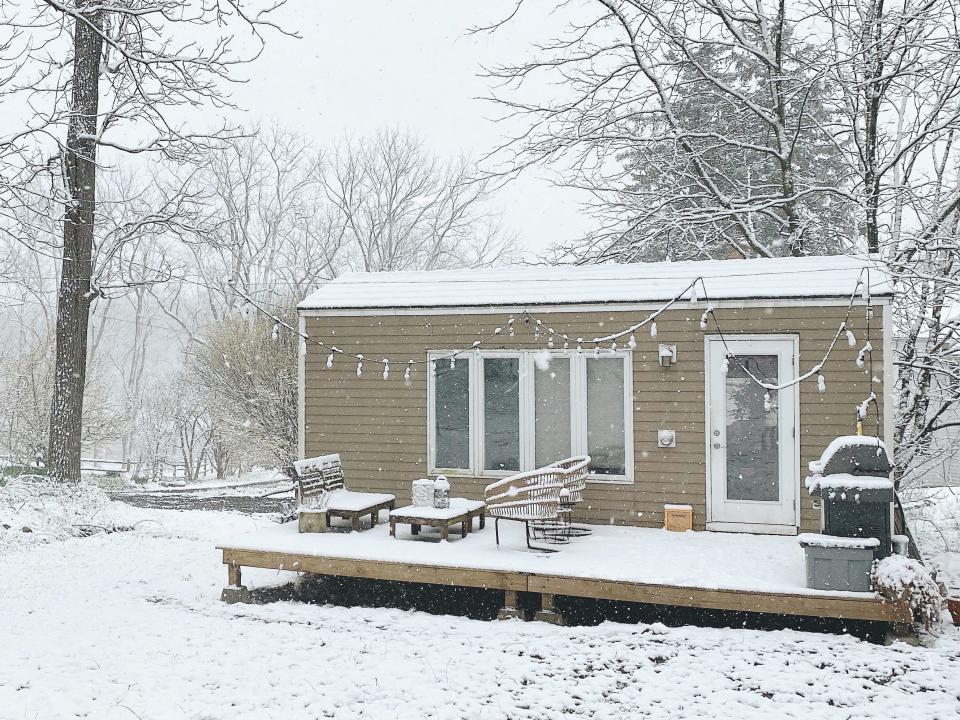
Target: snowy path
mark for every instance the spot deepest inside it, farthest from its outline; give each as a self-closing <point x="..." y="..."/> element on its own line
<point x="128" y="625"/>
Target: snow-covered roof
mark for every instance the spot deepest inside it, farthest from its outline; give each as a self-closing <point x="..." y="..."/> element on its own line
<point x="803" y="277"/>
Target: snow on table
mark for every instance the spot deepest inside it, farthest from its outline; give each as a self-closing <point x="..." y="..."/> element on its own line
<point x="349" y="501"/>
<point x="708" y="560"/>
<point x="458" y="506"/>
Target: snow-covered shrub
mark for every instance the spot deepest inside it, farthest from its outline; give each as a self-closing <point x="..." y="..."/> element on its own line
<point x="34" y="508"/>
<point x="901" y="579"/>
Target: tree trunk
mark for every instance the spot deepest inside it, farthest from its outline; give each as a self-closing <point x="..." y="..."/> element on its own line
<point x="73" y="299"/>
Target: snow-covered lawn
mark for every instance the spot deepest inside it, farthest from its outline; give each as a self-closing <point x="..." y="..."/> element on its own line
<point x="129" y="625"/>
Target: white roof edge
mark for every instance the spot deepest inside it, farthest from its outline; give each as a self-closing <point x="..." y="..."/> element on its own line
<point x="804" y="278"/>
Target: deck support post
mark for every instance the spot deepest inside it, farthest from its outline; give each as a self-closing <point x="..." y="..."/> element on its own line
<point x="235" y="591"/>
<point x="547" y="612"/>
<point x="510" y="609"/>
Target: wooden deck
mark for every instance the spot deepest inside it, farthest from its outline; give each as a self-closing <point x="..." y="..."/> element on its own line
<point x="824" y="605"/>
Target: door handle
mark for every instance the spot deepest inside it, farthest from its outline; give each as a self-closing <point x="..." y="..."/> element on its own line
<point x="717" y="446"/>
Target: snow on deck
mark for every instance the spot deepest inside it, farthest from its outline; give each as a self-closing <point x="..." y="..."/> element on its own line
<point x="804" y="277"/>
<point x="708" y="560"/>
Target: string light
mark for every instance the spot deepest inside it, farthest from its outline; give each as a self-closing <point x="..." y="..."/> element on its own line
<point x="691" y="291"/>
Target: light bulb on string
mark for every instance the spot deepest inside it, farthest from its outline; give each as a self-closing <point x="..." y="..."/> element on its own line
<point x="406" y="373"/>
<point x="510" y="325"/>
<point x="453" y="359"/>
<point x="767" y="405"/>
<point x="359" y="365"/>
<point x="653" y="329"/>
<point x="821" y="383"/>
<point x="386" y="368"/>
<point x="579" y="344"/>
<point x="851" y="339"/>
<point x="632" y="342"/>
<point x="330" y="361"/>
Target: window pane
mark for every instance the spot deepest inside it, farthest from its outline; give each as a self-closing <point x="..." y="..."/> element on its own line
<point x="501" y="413"/>
<point x="552" y="411"/>
<point x="605" y="411"/>
<point x="452" y="396"/>
<point x="753" y="438"/>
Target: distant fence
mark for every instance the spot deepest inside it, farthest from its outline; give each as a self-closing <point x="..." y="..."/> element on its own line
<point x="106" y="466"/>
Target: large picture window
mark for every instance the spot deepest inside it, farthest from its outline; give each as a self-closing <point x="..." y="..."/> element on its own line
<point x="500" y="412"/>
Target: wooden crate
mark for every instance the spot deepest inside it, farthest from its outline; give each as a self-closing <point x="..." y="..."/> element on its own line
<point x="678" y="518"/>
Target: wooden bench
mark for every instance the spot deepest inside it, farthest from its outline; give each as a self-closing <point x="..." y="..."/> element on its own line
<point x="322" y="495"/>
<point x="461" y="512"/>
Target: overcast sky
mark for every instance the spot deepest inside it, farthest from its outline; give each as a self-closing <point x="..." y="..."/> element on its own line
<point x="363" y="65"/>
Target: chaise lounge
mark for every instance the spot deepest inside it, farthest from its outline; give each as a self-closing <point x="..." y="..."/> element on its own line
<point x="322" y="493"/>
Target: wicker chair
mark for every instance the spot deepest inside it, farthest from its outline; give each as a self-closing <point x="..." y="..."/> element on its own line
<point x="526" y="497"/>
<point x="576" y="469"/>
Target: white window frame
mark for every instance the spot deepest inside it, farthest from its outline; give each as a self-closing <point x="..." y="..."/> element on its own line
<point x="578" y="406"/>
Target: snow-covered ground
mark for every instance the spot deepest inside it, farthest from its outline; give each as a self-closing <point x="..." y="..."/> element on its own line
<point x="129" y="625"/>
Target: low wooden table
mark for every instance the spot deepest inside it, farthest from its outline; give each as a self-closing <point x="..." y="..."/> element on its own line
<point x="461" y="512"/>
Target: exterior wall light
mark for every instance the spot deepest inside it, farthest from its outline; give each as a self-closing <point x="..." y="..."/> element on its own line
<point x="668" y="355"/>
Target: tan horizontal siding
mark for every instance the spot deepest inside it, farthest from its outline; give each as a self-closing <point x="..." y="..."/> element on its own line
<point x="379" y="426"/>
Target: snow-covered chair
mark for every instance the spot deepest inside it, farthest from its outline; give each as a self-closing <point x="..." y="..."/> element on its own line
<point x="526" y="497"/>
<point x="322" y="490"/>
<point x="575" y="469"/>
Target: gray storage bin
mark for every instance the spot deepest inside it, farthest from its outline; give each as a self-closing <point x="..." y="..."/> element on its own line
<point x="838" y="568"/>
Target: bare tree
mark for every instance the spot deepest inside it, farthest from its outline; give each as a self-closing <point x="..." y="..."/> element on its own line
<point x="397" y="207"/>
<point x="245" y="375"/>
<point x="109" y="77"/>
<point x="701" y="130"/>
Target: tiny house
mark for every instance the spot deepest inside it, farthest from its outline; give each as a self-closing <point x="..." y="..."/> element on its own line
<point x="710" y="384"/>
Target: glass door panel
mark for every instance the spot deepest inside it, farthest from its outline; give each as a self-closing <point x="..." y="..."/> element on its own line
<point x="752" y="423"/>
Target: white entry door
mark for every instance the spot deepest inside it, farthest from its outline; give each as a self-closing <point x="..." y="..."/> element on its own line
<point x="752" y="438"/>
